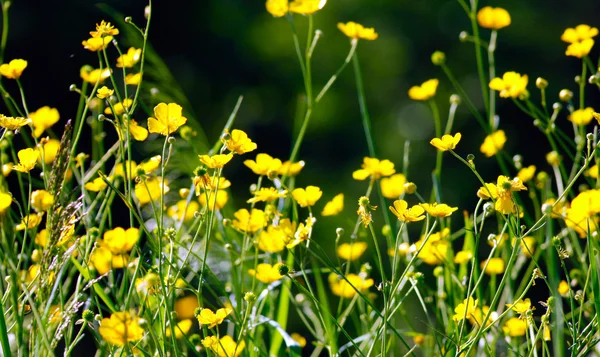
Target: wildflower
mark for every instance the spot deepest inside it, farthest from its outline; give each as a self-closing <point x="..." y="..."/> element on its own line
<point x="493" y="17"/>
<point x="521" y="307"/>
<point x="249" y="222"/>
<point x="463" y="256"/>
<point x="301" y="340"/>
<point x="208" y="199"/>
<point x="494" y="266"/>
<point x="27" y="159"/>
<point x="133" y="79"/>
<point x="303" y="233"/>
<point x="357" y="31"/>
<point x="167" y="119"/>
<point x="582" y="116"/>
<point x="211" y="319"/>
<point x="120" y="241"/>
<point x="266" y="273"/>
<point x="553" y="158"/>
<point x="374" y="168"/>
<point x="306" y="7"/>
<point x="393" y="187"/>
<point x="186" y="306"/>
<point x="526" y="173"/>
<point x="438" y="210"/>
<point x="30" y="221"/>
<point x="335" y="206"/>
<point x="527" y="245"/>
<point x="150" y="165"/>
<point x="405" y="214"/>
<point x="120" y="108"/>
<point x="150" y="189"/>
<point x="425" y="91"/>
<point x="579" y="33"/>
<point x="267" y="194"/>
<point x="5" y="201"/>
<point x="148" y="285"/>
<point x="580" y="49"/>
<point x="137" y="131"/>
<point x="563" y="288"/>
<point x="49" y="151"/>
<point x="264" y="164"/>
<point x="433" y="250"/>
<point x="502" y="193"/>
<point x="277" y="8"/>
<point x="104" y="92"/>
<point x="307" y="197"/>
<point x="104" y="29"/>
<point x="239" y="142"/>
<point x="593" y="172"/>
<point x="447" y="142"/>
<point x="130" y="58"/>
<point x="515" y="327"/>
<point x="93" y="76"/>
<point x="364" y="211"/>
<point x="347" y="288"/>
<point x="43" y="119"/>
<point x="121" y="328"/>
<point x="480" y="313"/>
<point x="224" y="347"/>
<point x="290" y="169"/>
<point x="216" y="161"/>
<point x="181" y="210"/>
<point x="511" y="85"/>
<point x="181" y="329"/>
<point x="97" y="185"/>
<point x="7" y="169"/>
<point x="583" y="207"/>
<point x="272" y="240"/>
<point x="351" y="251"/>
<point x="493" y="143"/>
<point x="14" y="69"/>
<point x="41" y="200"/>
<point x="13" y="123"/>
<point x="466" y="309"/>
<point x="96" y="44"/>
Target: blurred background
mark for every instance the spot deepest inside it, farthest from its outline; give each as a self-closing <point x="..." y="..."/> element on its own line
<point x="219" y="50"/>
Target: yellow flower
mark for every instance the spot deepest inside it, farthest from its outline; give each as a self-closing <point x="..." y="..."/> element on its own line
<point x="211" y="319"/>
<point x="307" y="197"/>
<point x="272" y="240"/>
<point x="579" y="33"/>
<point x="224" y="347"/>
<point x="424" y="91"/>
<point x="120" y="241"/>
<point x="266" y="195"/>
<point x="405" y="214"/>
<point x="527" y="245"/>
<point x="346" y="289"/>
<point x="393" y="187"/>
<point x="264" y="164"/>
<point x="435" y="249"/>
<point x="209" y="197"/>
<point x="466" y="309"/>
<point x="30" y="221"/>
<point x="167" y="119"/>
<point x="185" y="307"/>
<point x="104" y="29"/>
<point x="13" y="69"/>
<point x="120" y="108"/>
<point x="131" y="167"/>
<point x="133" y="79"/>
<point x="351" y="251"/>
<point x="95" y="44"/>
<point x="303" y="233"/>
<point x="563" y="288"/>
<point x="301" y="340"/>
<point x="495" y="266"/>
<point x="104" y="92"/>
<point x="480" y="314"/>
<point x="374" y="168"/>
<point x="13" y="123"/>
<point x="41" y="200"/>
<point x="493" y="17"/>
<point x="150" y="165"/>
<point x="593" y="172"/>
<point x="447" y="142"/>
<point x="307" y="7"/>
<point x="130" y="58"/>
<point x="463" y="256"/>
<point x="249" y="222"/>
<point x="7" y="169"/>
<point x="357" y="31"/>
<point x="493" y="143"/>
<point x="526" y="173"/>
<point x="582" y="116"/>
<point x="502" y="193"/>
<point x="277" y="8"/>
<point x="289" y="169"/>
<point x="27" y="159"/>
<point x="102" y="259"/>
<point x="216" y="161"/>
<point x="97" y="185"/>
<point x="43" y="119"/>
<point x="520" y="307"/>
<point x="239" y="142"/>
<point x="266" y="273"/>
<point x="335" y="206"/>
<point x="515" y="327"/>
<point x="181" y="329"/>
<point x="511" y="85"/>
<point x="121" y="328"/>
<point x="150" y="189"/>
<point x="580" y="49"/>
<point x="5" y="201"/>
<point x="438" y="210"/>
<point x="94" y="76"/>
<point x="138" y="132"/>
<point x="182" y="210"/>
<point x="49" y="151"/>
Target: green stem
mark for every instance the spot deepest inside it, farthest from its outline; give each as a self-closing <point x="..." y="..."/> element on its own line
<point x="363" y="106"/>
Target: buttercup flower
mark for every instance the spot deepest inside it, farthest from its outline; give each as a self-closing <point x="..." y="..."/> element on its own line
<point x="424" y="91"/>
<point x="120" y="241"/>
<point x="12" y="123"/>
<point x="277" y="8"/>
<point x="104" y="29"/>
<point x="438" y="210"/>
<point x="120" y="108"/>
<point x="274" y="238"/>
<point x="307" y="197"/>
<point x="43" y="119"/>
<point x="563" y="288"/>
<point x="41" y="200"/>
<point x="249" y="222"/>
<point x="150" y="189"/>
<point x="264" y="164"/>
<point x="494" y="266"/>
<point x="346" y="289"/>
<point x="267" y="194"/>
<point x="121" y="328"/>
<point x="392" y="187"/>
<point x="405" y="214"/>
<point x="266" y="273"/>
<point x="306" y="7"/>
<point x="216" y="161"/>
<point x="130" y="58"/>
<point x="335" y="206"/>
<point x="493" y="17"/>
<point x="224" y="347"/>
<point x="521" y="307"/>
<point x="351" y="251"/>
<point x="502" y="193"/>
<point x="185" y="307"/>
<point x="357" y="31"/>
<point x="96" y="185"/>
<point x="5" y="201"/>
<point x="181" y="329"/>
<point x="167" y="119"/>
<point x="133" y="79"/>
<point x="433" y="251"/>
<point x="447" y="142"/>
<point x="211" y="319"/>
<point x="290" y="169"/>
<point x="579" y="33"/>
<point x="95" y="44"/>
<point x="27" y="159"/>
<point x="515" y="327"/>
<point x="13" y="69"/>
<point x="239" y="142"/>
<point x="182" y="210"/>
<point x="580" y="49"/>
<point x="92" y="76"/>
<point x="30" y="221"/>
<point x="465" y="310"/>
<point x="582" y="116"/>
<point x="463" y="256"/>
<point x="104" y="92"/>
<point x="137" y="131"/>
<point x="511" y="85"/>
<point x="49" y="150"/>
<point x="493" y="143"/>
<point x="374" y="168"/>
<point x="526" y="173"/>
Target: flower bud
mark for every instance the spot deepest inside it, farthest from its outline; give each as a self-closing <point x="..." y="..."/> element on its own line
<point x="553" y="158"/>
<point x="438" y="271"/>
<point x="410" y="188"/>
<point x="186" y="132"/>
<point x="88" y="316"/>
<point x="128" y="19"/>
<point x="184" y="192"/>
<point x="547" y="208"/>
<point x="438" y="58"/>
<point x="284" y="269"/>
<point x="541" y="83"/>
<point x="463" y="36"/>
<point x="557" y="106"/>
<point x="339" y="232"/>
<point x="565" y="95"/>
<point x="455" y="99"/>
<point x="250" y="297"/>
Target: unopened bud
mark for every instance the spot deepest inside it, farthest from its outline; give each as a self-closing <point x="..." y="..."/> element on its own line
<point x="565" y="95"/>
<point x="455" y="99"/>
<point x="410" y="188"/>
<point x="438" y="58"/>
<point x="541" y="83"/>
